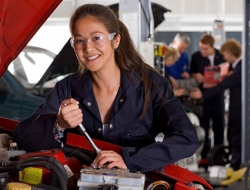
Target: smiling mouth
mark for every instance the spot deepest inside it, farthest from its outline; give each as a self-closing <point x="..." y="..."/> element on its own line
<point x="92" y="57"/>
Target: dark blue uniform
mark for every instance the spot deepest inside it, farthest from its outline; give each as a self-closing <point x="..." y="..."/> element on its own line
<point x="137" y="135"/>
<point x="214" y="107"/>
<point x="180" y="66"/>
<point x="233" y="83"/>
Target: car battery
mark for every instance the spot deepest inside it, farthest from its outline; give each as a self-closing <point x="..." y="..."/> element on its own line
<point x="110" y="179"/>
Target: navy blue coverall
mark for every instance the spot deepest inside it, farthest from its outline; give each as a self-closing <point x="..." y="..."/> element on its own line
<point x="214" y="107"/>
<point x="137" y="135"/>
<point x="233" y="82"/>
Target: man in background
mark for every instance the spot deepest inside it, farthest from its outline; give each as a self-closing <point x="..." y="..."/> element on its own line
<point x="213" y="108"/>
<point x="180" y="69"/>
<point x="231" y="50"/>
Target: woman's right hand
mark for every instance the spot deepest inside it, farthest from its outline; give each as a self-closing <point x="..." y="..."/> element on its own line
<point x="69" y="114"/>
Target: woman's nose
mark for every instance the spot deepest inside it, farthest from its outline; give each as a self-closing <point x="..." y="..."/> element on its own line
<point x="88" y="46"/>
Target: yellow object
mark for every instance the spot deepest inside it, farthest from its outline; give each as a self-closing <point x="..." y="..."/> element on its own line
<point x="17" y="186"/>
<point x="156" y="52"/>
<point x="160" y="50"/>
<point x="237" y="175"/>
<point x="229" y="172"/>
<point x="31" y="175"/>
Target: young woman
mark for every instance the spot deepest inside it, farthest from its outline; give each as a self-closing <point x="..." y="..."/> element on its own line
<point x="116" y="96"/>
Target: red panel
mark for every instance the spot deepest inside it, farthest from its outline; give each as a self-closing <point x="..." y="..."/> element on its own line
<point x="82" y="143"/>
<point x="8" y="124"/>
<point x="181" y="174"/>
<point x="19" y="21"/>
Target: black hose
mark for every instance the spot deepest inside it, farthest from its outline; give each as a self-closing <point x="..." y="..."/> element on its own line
<point x="48" y="166"/>
<point x="55" y="162"/>
<point x="82" y="157"/>
<point x="51" y="160"/>
<point x="4" y="163"/>
<point x="53" y="180"/>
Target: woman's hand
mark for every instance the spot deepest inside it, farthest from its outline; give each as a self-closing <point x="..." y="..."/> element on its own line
<point x="69" y="115"/>
<point x="112" y="159"/>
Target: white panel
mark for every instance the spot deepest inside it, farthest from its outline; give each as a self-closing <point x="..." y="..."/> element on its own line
<point x="176" y="6"/>
<point x="194" y="15"/>
<point x="214" y="7"/>
<point x="234" y="6"/>
<point x="64" y="9"/>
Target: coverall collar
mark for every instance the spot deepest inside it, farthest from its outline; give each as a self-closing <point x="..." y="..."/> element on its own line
<point x="130" y="82"/>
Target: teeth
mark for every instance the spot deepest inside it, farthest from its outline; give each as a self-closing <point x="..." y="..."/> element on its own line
<point x="93" y="57"/>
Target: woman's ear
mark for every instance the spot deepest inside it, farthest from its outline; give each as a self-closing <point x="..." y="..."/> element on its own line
<point x="116" y="41"/>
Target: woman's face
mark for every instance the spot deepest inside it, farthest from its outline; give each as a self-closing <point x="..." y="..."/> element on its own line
<point x="93" y="44"/>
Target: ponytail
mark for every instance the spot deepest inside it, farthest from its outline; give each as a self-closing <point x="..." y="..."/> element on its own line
<point x="128" y="59"/>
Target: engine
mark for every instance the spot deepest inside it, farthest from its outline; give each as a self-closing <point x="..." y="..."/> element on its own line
<point x="67" y="168"/>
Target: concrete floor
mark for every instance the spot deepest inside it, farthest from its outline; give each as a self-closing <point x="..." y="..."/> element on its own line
<point x="240" y="185"/>
<point x="215" y="183"/>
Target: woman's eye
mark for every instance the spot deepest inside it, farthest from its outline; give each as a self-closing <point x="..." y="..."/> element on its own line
<point x="78" y="41"/>
<point x="96" y="38"/>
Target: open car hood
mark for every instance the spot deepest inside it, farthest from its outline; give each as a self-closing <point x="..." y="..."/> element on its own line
<point x="158" y="12"/>
<point x="19" y="21"/>
<point x="64" y="63"/>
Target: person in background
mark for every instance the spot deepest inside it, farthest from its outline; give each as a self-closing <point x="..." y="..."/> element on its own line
<point x="213" y="108"/>
<point x="171" y="56"/>
<point x="117" y="97"/>
<point x="181" y="86"/>
<point x="231" y="51"/>
<point x="180" y="69"/>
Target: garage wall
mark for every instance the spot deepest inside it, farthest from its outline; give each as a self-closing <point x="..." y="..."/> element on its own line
<point x="191" y="16"/>
<point x="185" y="15"/>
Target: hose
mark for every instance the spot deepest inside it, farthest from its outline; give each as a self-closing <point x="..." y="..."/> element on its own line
<point x="54" y="180"/>
<point x="52" y="160"/>
<point x="48" y="166"/>
<point x="82" y="157"/>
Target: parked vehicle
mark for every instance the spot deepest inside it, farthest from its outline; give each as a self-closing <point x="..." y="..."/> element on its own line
<point x="16" y="102"/>
<point x="17" y="98"/>
<point x="30" y="77"/>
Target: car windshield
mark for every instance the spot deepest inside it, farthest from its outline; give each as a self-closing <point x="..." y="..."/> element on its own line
<point x="30" y="65"/>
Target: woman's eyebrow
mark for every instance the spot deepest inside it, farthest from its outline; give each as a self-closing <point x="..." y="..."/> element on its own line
<point x="79" y="35"/>
<point x="96" y="32"/>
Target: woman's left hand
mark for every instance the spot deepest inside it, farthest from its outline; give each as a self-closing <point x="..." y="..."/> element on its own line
<point x="112" y="158"/>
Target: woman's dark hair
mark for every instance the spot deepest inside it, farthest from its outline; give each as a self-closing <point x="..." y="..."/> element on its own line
<point x="126" y="56"/>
